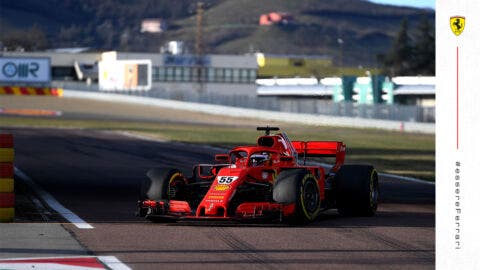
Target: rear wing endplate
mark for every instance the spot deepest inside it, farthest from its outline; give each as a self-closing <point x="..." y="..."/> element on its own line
<point x="321" y="149"/>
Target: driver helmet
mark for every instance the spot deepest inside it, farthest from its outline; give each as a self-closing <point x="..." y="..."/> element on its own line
<point x="258" y="159"/>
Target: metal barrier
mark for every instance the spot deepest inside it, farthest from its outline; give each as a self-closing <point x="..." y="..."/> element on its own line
<point x="30" y="91"/>
<point x="394" y="112"/>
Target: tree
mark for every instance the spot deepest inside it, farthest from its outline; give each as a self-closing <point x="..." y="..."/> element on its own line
<point x="424" y="49"/>
<point x="68" y="36"/>
<point x="411" y="56"/>
<point x="398" y="62"/>
<point x="106" y="34"/>
<point x="33" y="39"/>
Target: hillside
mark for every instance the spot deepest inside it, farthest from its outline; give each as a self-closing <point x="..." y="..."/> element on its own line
<point x="229" y="26"/>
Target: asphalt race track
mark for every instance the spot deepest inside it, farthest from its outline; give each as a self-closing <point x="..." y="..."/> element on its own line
<point x="97" y="175"/>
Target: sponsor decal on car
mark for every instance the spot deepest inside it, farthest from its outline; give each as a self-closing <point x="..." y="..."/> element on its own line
<point x="226" y="180"/>
<point x="222" y="187"/>
<point x="215" y="197"/>
<point x="213" y="201"/>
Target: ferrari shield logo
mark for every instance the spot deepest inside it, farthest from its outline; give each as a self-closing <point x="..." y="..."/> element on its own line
<point x="457" y="24"/>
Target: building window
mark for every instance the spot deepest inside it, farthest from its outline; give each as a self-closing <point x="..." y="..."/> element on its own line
<point x="63" y="73"/>
<point x="252" y="75"/>
<point x="228" y="75"/>
<point x="219" y="75"/>
<point x="155" y="75"/>
<point x="170" y="72"/>
<point x="161" y="74"/>
<point x="187" y="74"/>
<point x="199" y="74"/>
<point x="244" y="75"/>
<point x="195" y="74"/>
<point x="178" y="74"/>
<point x="236" y="75"/>
<point x="211" y="75"/>
<point x="203" y="74"/>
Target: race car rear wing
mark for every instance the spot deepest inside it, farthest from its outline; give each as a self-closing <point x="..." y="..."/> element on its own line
<point x="321" y="149"/>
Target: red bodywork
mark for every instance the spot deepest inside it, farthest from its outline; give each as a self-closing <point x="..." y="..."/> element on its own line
<point x="240" y="171"/>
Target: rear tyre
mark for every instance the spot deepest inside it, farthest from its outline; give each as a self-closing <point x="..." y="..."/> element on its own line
<point x="163" y="184"/>
<point x="357" y="190"/>
<point x="298" y="186"/>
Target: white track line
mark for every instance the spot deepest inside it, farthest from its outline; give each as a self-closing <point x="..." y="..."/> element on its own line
<point x="53" y="203"/>
<point x="405" y="178"/>
<point x="113" y="263"/>
<point x="397" y="177"/>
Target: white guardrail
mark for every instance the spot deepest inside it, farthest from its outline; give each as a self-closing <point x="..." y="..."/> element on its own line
<point x="309" y="119"/>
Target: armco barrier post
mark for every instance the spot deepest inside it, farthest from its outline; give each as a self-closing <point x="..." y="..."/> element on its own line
<point x="7" y="193"/>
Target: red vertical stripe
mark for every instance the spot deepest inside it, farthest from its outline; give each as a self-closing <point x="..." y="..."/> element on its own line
<point x="6" y="140"/>
<point x="39" y="91"/>
<point x="6" y="170"/>
<point x="24" y="91"/>
<point x="7" y="199"/>
<point x="8" y="90"/>
<point x="458" y="131"/>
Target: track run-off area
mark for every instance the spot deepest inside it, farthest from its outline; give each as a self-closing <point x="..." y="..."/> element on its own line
<point x="84" y="182"/>
<point x="97" y="174"/>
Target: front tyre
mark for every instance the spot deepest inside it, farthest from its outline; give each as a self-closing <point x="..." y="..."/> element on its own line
<point x="357" y="190"/>
<point x="163" y="184"/>
<point x="298" y="186"/>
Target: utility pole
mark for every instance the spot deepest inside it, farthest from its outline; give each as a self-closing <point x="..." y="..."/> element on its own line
<point x="340" y="42"/>
<point x="199" y="48"/>
<point x="199" y="32"/>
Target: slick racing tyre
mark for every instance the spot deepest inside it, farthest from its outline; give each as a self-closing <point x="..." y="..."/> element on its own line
<point x="298" y="186"/>
<point x="357" y="190"/>
<point x="163" y="184"/>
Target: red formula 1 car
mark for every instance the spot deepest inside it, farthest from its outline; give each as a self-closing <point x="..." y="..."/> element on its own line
<point x="266" y="181"/>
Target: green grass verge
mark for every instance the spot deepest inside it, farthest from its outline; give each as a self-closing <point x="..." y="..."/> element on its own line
<point x="398" y="153"/>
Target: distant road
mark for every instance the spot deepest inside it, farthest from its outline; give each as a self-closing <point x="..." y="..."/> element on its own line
<point x="97" y="174"/>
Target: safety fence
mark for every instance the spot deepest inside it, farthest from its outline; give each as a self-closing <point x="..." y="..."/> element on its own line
<point x="316" y="106"/>
<point x="258" y="114"/>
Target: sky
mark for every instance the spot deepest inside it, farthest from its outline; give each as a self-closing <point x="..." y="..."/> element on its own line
<point x="410" y="3"/>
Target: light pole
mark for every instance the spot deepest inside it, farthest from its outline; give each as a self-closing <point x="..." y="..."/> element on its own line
<point x="199" y="53"/>
<point x="340" y="43"/>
